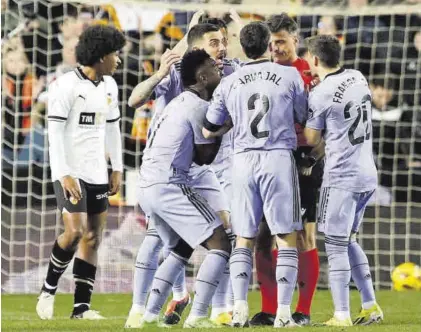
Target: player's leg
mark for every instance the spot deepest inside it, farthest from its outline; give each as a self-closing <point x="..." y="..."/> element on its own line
<point x="266" y="254"/>
<point x="247" y="211"/>
<point x="208" y="184"/>
<point x="85" y="263"/>
<point x="74" y="216"/>
<point x="360" y="271"/>
<point x="281" y="199"/>
<point x="189" y="216"/>
<point x="308" y="257"/>
<point x="145" y="268"/>
<point x="335" y="219"/>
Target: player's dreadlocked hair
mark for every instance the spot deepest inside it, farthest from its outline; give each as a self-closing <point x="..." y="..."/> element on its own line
<point x="281" y="22"/>
<point x="190" y="64"/>
<point x="96" y="42"/>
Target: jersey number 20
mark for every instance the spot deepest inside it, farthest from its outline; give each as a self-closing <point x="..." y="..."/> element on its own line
<point x="259" y="116"/>
<point x="362" y="109"/>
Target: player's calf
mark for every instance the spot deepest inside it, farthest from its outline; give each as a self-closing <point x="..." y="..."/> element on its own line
<point x="61" y="255"/>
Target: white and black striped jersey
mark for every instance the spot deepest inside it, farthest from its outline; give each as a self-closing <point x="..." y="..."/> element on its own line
<point x="83" y="107"/>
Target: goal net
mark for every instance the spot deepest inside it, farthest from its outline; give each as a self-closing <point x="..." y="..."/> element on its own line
<point x="382" y="38"/>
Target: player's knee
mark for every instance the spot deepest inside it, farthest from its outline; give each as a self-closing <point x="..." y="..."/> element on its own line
<point x="219" y="241"/>
<point x="183" y="249"/>
<point x="287" y="240"/>
<point x="306" y="240"/>
<point x="243" y="242"/>
<point x="93" y="239"/>
<point x="73" y="237"/>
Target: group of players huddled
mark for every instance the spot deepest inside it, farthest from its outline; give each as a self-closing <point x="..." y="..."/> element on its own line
<point x="234" y="161"/>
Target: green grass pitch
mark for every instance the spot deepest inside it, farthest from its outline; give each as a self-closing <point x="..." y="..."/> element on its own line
<point x="402" y="312"/>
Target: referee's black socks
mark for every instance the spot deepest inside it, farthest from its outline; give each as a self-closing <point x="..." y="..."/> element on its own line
<point x="84" y="275"/>
<point x="59" y="260"/>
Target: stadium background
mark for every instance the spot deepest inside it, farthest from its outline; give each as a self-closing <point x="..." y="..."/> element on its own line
<point x="382" y="38"/>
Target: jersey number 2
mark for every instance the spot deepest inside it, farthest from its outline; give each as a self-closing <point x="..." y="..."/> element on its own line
<point x="362" y="109"/>
<point x="259" y="116"/>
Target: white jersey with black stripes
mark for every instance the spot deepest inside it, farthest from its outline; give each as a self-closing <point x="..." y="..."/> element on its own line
<point x="78" y="111"/>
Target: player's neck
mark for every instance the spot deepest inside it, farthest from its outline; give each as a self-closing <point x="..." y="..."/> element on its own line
<point x="200" y="92"/>
<point x="323" y="72"/>
<point x="91" y="73"/>
<point x="259" y="59"/>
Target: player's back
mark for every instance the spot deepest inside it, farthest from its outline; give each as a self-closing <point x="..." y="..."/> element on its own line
<point x="170" y="148"/>
<point x="345" y="101"/>
<point x="264" y="100"/>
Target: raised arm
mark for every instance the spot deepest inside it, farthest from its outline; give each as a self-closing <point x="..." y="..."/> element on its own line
<point x="141" y="93"/>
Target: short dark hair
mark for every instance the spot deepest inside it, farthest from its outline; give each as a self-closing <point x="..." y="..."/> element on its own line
<point x="198" y="31"/>
<point x="96" y="42"/>
<point x="190" y="64"/>
<point x="326" y="48"/>
<point x="281" y="22"/>
<point x="215" y="21"/>
<point x="254" y="39"/>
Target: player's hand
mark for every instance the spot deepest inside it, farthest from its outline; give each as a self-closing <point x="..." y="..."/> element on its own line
<point x="236" y="18"/>
<point x="115" y="183"/>
<point x="195" y="18"/>
<point x="71" y="188"/>
<point x="167" y="60"/>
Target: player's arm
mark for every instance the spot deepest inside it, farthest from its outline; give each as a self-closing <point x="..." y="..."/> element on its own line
<point x="60" y="101"/>
<point x="113" y="144"/>
<point x="300" y="99"/>
<point x="316" y="121"/>
<point x="205" y="149"/>
<point x="142" y="92"/>
<point x="217" y="121"/>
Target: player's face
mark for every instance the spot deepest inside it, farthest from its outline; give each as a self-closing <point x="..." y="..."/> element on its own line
<point x="211" y="75"/>
<point x="110" y="63"/>
<point x="312" y="62"/>
<point x="283" y="47"/>
<point x="225" y="37"/>
<point x="213" y="43"/>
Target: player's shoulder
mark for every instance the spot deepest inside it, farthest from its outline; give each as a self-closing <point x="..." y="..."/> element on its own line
<point x="66" y="81"/>
<point x="110" y="80"/>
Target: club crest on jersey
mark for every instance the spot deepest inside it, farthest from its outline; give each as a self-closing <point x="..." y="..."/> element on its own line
<point x="90" y="119"/>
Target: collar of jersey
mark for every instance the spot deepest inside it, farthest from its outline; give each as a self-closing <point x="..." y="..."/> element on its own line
<point x="339" y="71"/>
<point x="256" y="62"/>
<point x="83" y="76"/>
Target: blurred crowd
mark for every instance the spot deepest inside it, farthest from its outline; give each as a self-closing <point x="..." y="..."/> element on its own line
<point x="39" y="39"/>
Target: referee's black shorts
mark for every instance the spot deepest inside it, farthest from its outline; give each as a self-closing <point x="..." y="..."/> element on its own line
<point x="94" y="198"/>
<point x="309" y="186"/>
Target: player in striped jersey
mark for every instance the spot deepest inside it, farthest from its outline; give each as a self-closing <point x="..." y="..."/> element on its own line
<point x="340" y="111"/>
<point x="182" y="217"/>
<point x="83" y="124"/>
<point x="166" y="85"/>
<point x="284" y="41"/>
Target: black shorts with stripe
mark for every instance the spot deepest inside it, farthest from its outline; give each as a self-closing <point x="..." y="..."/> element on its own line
<point x="309" y="186"/>
<point x="94" y="198"/>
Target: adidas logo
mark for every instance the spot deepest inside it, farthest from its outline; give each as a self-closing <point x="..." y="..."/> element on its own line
<point x="283" y="280"/>
<point x="156" y="291"/>
<point x="242" y="275"/>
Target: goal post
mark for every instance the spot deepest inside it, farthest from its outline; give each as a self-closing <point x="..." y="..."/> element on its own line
<point x="382" y="39"/>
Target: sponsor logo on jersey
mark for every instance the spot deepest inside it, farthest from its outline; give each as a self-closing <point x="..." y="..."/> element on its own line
<point x="91" y="119"/>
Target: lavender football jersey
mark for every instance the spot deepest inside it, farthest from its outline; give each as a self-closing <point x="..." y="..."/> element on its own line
<point x="341" y="106"/>
<point x="170" y="148"/>
<point x="264" y="100"/>
<point x="172" y="86"/>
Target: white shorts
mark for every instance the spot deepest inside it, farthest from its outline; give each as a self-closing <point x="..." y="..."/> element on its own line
<point x="177" y="212"/>
<point x="204" y="181"/>
<point x="340" y="211"/>
<point x="267" y="183"/>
